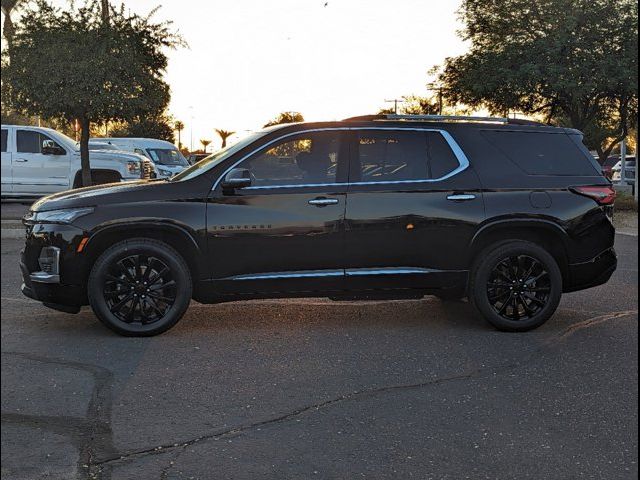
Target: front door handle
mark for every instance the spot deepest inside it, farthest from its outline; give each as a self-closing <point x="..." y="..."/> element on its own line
<point x="21" y="160"/>
<point x="323" y="202"/>
<point x="461" y="197"/>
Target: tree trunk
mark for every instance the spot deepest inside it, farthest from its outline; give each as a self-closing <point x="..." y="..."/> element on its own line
<point x="105" y="12"/>
<point x="224" y="142"/>
<point x="84" y="152"/>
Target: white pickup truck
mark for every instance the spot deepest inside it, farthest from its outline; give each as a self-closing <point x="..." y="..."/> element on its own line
<point x="38" y="161"/>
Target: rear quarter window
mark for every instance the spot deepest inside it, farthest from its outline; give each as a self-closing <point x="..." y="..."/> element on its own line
<point x="542" y="153"/>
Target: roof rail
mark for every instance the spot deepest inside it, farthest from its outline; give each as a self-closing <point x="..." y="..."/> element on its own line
<point x="443" y="118"/>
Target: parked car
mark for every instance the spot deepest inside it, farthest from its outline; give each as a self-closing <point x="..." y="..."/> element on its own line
<point x="150" y="168"/>
<point x="629" y="170"/>
<point x="508" y="213"/>
<point x="196" y="157"/>
<point x="608" y="165"/>
<point x="165" y="155"/>
<point x="38" y="161"/>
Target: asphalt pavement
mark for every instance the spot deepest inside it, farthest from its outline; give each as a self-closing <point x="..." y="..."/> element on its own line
<point x="306" y="389"/>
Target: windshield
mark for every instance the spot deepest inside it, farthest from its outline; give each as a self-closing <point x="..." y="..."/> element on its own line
<point x="211" y="161"/>
<point x="167" y="156"/>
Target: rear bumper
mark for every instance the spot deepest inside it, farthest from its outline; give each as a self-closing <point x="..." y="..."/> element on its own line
<point x="596" y="271"/>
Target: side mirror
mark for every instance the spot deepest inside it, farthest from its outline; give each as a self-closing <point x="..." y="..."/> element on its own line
<point x="236" y="178"/>
<point x="49" y="147"/>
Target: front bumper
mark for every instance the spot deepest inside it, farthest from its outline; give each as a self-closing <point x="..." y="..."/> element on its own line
<point x="65" y="291"/>
<point x="596" y="271"/>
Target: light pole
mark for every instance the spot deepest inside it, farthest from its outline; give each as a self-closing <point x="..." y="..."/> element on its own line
<point x="191" y="129"/>
<point x="395" y="102"/>
<point x="437" y="88"/>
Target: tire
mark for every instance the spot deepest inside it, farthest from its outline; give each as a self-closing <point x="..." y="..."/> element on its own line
<point x="139" y="309"/>
<point x="525" y="304"/>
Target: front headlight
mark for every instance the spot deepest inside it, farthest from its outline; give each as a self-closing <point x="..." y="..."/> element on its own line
<point x="66" y="215"/>
<point x="133" y="167"/>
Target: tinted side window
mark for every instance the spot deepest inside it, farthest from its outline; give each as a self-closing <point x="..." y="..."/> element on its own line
<point x="28" y="141"/>
<point x="5" y="136"/>
<point x="392" y="156"/>
<point x="308" y="159"/>
<point x="443" y="160"/>
<point x="540" y="153"/>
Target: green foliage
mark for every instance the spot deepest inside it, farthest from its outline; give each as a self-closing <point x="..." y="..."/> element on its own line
<point x="571" y="61"/>
<point x="75" y="65"/>
<point x="286" y="117"/>
<point x="160" y="127"/>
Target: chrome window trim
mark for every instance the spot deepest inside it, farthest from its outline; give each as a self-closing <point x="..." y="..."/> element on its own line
<point x="350" y="272"/>
<point x="463" y="161"/>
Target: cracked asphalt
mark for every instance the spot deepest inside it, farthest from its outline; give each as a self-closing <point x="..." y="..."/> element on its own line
<point x="305" y="389"/>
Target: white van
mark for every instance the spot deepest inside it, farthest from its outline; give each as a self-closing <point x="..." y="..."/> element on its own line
<point x="165" y="155"/>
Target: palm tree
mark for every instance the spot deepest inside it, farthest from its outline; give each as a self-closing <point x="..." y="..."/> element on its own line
<point x="224" y="134"/>
<point x="286" y="117"/>
<point x="205" y="143"/>
<point x="179" y="126"/>
<point x="9" y="6"/>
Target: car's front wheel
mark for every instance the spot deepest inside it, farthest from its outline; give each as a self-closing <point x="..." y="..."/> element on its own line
<point x="515" y="285"/>
<point x="140" y="287"/>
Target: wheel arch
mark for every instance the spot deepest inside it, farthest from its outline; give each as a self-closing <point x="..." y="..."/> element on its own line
<point x="176" y="236"/>
<point x="545" y="233"/>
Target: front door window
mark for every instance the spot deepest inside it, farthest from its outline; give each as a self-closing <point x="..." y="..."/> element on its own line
<point x="308" y="159"/>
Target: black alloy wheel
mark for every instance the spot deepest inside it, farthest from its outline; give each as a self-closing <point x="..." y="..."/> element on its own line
<point x="140" y="287"/>
<point x="515" y="285"/>
<point x="518" y="287"/>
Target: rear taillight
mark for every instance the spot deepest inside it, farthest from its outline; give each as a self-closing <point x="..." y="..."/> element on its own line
<point x="603" y="195"/>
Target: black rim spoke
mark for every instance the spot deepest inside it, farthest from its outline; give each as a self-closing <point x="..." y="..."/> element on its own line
<point x="518" y="287"/>
<point x="139" y="289"/>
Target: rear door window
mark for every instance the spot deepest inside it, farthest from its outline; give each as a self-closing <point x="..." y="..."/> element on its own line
<point x="392" y="156"/>
<point x="442" y="159"/>
<point x="542" y="153"/>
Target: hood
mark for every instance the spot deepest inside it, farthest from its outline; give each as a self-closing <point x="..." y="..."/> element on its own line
<point x="113" y="155"/>
<point x="144" y="190"/>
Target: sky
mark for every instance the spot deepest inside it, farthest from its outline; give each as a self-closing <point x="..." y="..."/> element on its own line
<point x="249" y="60"/>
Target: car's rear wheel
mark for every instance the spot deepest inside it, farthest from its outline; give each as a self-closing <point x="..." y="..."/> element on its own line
<point x="515" y="285"/>
<point x="140" y="287"/>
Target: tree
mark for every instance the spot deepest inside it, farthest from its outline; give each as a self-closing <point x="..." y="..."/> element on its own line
<point x="224" y="134"/>
<point x="72" y="64"/>
<point x="179" y="126"/>
<point x="152" y="126"/>
<point x="205" y="143"/>
<point x="573" y="62"/>
<point x="286" y="117"/>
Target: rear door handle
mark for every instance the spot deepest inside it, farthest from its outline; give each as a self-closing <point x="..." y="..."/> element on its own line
<point x="461" y="197"/>
<point x="323" y="202"/>
<point x="21" y="160"/>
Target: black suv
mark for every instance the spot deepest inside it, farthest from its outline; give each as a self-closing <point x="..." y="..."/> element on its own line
<point x="506" y="212"/>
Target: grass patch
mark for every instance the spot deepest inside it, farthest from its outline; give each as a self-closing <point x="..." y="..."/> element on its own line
<point x="626" y="203"/>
